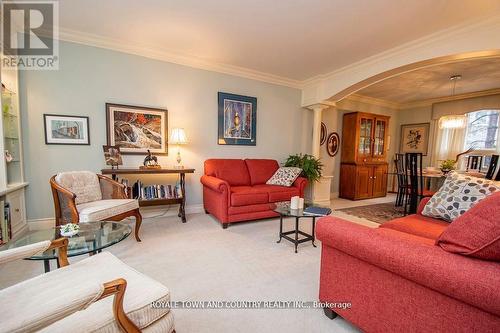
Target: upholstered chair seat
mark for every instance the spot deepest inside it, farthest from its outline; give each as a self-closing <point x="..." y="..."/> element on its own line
<point x="74" y="298"/>
<point x="83" y="196"/>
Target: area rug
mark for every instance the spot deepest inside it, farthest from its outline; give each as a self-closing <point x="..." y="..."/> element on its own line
<point x="378" y="213"/>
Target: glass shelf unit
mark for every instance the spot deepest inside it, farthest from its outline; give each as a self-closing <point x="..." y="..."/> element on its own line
<point x="12" y="144"/>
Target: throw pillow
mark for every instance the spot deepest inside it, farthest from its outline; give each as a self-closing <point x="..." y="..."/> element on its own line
<point x="284" y="176"/>
<point x="458" y="194"/>
<point x="477" y="232"/>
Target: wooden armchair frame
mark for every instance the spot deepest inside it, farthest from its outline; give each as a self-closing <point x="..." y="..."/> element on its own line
<point x="66" y="211"/>
<point x="116" y="287"/>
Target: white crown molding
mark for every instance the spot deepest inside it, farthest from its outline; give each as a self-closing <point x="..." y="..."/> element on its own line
<point x="403" y="48"/>
<point x="167" y="56"/>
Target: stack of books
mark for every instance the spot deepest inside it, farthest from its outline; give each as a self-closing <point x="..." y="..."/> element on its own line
<point x="155" y="191"/>
<point x="5" y="227"/>
<point x="317" y="211"/>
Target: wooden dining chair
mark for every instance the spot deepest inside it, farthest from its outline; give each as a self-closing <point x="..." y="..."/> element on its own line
<point x="402" y="192"/>
<point x="415" y="179"/>
<point x="474" y="162"/>
<point x="493" y="168"/>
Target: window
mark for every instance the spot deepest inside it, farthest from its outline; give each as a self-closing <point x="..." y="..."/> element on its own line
<point x="482" y="130"/>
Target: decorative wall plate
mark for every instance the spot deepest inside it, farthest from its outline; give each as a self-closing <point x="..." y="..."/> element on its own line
<point x="323" y="134"/>
<point x="333" y="144"/>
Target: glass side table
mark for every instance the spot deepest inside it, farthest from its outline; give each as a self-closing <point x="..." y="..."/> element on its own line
<point x="284" y="210"/>
<point x="91" y="238"/>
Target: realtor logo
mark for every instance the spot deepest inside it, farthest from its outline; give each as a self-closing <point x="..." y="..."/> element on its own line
<point x="30" y="34"/>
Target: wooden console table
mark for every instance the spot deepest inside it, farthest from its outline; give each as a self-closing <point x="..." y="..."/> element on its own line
<point x="155" y="202"/>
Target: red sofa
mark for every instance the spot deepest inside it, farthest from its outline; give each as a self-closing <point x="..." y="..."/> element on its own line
<point x="397" y="280"/>
<point x="235" y="190"/>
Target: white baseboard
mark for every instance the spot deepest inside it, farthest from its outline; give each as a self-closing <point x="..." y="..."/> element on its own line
<point x="40" y="224"/>
<point x="147" y="212"/>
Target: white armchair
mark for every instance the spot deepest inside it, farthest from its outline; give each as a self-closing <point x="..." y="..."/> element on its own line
<point x="75" y="298"/>
<point x="83" y="196"/>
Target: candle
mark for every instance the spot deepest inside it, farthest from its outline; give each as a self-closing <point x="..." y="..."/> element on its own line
<point x="294" y="203"/>
<point x="301" y="203"/>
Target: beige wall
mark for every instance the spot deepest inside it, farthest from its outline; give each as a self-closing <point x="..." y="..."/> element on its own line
<point x="89" y="77"/>
<point x="333" y="120"/>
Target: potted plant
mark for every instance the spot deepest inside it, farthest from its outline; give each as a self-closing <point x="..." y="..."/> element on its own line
<point x="310" y="165"/>
<point x="447" y="166"/>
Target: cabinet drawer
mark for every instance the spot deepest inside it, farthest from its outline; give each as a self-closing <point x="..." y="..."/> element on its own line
<point x="16" y="202"/>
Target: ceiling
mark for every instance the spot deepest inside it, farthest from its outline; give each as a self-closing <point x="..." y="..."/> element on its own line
<point x="293" y="39"/>
<point x="434" y="82"/>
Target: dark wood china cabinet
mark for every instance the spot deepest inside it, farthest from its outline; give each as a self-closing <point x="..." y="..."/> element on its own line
<point x="363" y="168"/>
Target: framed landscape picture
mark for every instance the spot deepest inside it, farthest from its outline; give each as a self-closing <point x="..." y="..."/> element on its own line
<point x="237" y="120"/>
<point x="137" y="129"/>
<point x="414" y="138"/>
<point x="66" y="130"/>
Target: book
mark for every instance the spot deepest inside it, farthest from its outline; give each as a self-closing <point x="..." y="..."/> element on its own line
<point x="317" y="211"/>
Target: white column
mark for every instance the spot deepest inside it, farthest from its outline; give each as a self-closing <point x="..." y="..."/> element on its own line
<point x="318" y="110"/>
<point x="319" y="192"/>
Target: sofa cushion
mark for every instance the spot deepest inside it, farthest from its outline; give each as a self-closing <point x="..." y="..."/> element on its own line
<point x="261" y="170"/>
<point x="233" y="171"/>
<point x="418" y="225"/>
<point x="284" y="176"/>
<point x="279" y="193"/>
<point x="249" y="209"/>
<point x="477" y="232"/>
<point x="458" y="194"/>
<point x="84" y="184"/>
<point x="103" y="209"/>
<point x="141" y="292"/>
<point x="247" y="195"/>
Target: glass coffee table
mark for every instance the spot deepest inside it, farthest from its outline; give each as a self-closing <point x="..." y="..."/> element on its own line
<point x="283" y="208"/>
<point x="91" y="238"/>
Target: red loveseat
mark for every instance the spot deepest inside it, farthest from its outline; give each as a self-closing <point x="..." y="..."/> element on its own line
<point x="235" y="190"/>
<point x="397" y="280"/>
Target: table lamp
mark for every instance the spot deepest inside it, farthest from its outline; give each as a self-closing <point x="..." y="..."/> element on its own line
<point x="178" y="137"/>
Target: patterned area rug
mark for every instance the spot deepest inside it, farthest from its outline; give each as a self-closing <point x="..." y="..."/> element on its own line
<point x="378" y="213"/>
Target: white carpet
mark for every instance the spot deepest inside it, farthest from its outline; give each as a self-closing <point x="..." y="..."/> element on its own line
<point x="199" y="260"/>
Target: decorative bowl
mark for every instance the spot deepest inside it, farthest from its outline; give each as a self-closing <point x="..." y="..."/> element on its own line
<point x="69" y="229"/>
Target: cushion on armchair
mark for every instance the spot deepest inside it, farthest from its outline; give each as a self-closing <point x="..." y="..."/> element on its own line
<point x="84" y="184"/>
<point x="103" y="209"/>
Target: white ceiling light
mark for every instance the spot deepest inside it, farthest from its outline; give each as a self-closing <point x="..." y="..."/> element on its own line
<point x="455" y="121"/>
<point x="452" y="121"/>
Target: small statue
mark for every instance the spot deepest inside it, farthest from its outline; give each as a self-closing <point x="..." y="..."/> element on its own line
<point x="151" y="161"/>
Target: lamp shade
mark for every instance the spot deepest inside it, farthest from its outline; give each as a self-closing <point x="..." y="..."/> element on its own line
<point x="450" y="122"/>
<point x="178" y="136"/>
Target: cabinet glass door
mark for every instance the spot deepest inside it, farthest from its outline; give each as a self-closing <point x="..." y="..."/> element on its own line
<point x="379" y="137"/>
<point x="365" y="135"/>
<point x="10" y="115"/>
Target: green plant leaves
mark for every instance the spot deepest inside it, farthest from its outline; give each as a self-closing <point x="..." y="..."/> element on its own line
<point x="311" y="166"/>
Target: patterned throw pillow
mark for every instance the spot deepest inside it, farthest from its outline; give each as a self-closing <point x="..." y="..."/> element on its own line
<point x="457" y="195"/>
<point x="284" y="176"/>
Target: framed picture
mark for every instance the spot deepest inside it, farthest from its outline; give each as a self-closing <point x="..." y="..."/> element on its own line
<point x="322" y="138"/>
<point x="333" y="144"/>
<point x="414" y="138"/>
<point x="137" y="129"/>
<point x="237" y="120"/>
<point x="66" y="130"/>
<point x="112" y="155"/>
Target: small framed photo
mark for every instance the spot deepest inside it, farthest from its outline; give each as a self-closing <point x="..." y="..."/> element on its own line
<point x="112" y="155"/>
<point x="66" y="130"/>
<point x="137" y="129"/>
<point x="414" y="138"/>
<point x="237" y="120"/>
